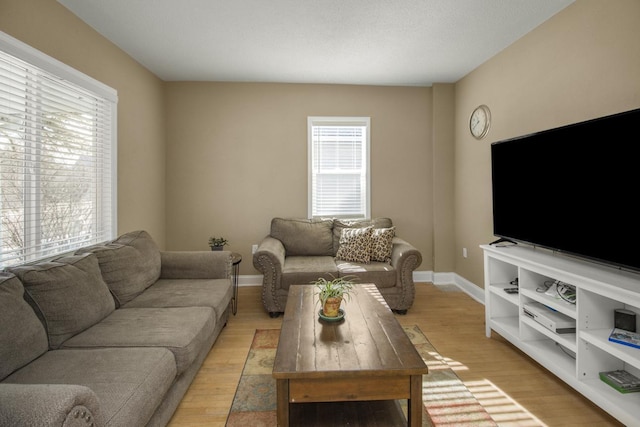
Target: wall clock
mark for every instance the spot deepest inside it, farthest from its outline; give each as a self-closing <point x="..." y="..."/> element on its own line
<point x="480" y="121"/>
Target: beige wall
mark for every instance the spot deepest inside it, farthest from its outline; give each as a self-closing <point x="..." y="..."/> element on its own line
<point x="235" y="154"/>
<point x="443" y="176"/>
<point x="237" y="157"/>
<point x="52" y="29"/>
<point x="581" y="64"/>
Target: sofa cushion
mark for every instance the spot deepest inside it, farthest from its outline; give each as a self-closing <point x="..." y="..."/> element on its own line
<point x="129" y="264"/>
<point x="382" y="244"/>
<point x="302" y="270"/>
<point x="182" y="330"/>
<point x="130" y="383"/>
<point x="68" y="294"/>
<point x="339" y="224"/>
<point x="214" y="293"/>
<point x="355" y="245"/>
<point x="304" y="236"/>
<point x="22" y="336"/>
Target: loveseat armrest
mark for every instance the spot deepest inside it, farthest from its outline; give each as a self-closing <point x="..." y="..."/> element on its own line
<point x="405" y="258"/>
<point x="269" y="260"/>
<point x="270" y="252"/>
<point x="49" y="405"/>
<point x="195" y="264"/>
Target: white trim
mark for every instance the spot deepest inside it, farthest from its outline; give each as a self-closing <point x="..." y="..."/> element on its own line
<point x="250" y="280"/>
<point x="438" y="279"/>
<point x="338" y="121"/>
<point x="114" y="168"/>
<point x="423" y="276"/>
<point x="59" y="73"/>
<point x="470" y="288"/>
<point x="33" y="56"/>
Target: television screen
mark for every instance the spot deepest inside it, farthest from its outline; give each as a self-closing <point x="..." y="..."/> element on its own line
<point x="573" y="189"/>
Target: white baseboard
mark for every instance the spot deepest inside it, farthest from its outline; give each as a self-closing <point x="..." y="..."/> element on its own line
<point x="474" y="291"/>
<point x="250" y="280"/>
<point x="440" y="279"/>
<point x="423" y="276"/>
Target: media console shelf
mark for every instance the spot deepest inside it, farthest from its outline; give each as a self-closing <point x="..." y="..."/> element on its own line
<point x="576" y="358"/>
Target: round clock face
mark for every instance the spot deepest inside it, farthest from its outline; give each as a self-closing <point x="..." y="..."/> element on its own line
<point x="480" y="121"/>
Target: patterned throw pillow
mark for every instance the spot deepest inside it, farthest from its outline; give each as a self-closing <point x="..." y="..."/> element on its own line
<point x="382" y="243"/>
<point x="355" y="245"/>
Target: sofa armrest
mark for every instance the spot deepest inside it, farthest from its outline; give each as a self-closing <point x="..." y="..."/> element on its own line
<point x="269" y="260"/>
<point x="269" y="256"/>
<point x="195" y="264"/>
<point x="49" y="405"/>
<point x="405" y="258"/>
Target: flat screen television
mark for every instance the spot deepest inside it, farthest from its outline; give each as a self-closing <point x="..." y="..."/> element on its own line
<point x="574" y="189"/>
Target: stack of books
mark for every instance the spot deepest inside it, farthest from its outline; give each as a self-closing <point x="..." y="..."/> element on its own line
<point x="621" y="380"/>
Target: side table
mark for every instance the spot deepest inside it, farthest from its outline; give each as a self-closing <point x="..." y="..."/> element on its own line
<point x="236" y="259"/>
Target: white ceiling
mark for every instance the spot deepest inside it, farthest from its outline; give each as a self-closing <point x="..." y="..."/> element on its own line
<point x="374" y="42"/>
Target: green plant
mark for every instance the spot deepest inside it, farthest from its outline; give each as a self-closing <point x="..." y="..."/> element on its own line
<point x="218" y="241"/>
<point x="339" y="287"/>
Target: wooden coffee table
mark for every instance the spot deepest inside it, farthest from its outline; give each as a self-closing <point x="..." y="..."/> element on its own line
<point x="364" y="357"/>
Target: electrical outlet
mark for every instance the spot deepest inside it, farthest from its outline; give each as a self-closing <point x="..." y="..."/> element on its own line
<point x="254" y="248"/>
<point x="464" y="252"/>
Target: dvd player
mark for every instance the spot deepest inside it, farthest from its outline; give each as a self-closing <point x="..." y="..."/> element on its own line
<point x="549" y="318"/>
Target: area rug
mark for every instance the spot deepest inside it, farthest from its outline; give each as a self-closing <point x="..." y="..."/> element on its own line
<point x="447" y="401"/>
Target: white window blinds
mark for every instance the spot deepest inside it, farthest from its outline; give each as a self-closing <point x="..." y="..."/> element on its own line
<point x="56" y="152"/>
<point x="339" y="167"/>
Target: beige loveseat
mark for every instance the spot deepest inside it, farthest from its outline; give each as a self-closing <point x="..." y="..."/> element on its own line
<point x="298" y="251"/>
<point x="110" y="336"/>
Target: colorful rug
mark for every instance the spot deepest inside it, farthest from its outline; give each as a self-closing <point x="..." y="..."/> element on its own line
<point x="447" y="401"/>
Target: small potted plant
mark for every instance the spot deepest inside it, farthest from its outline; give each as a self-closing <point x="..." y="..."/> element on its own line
<point x="217" y="243"/>
<point x="331" y="293"/>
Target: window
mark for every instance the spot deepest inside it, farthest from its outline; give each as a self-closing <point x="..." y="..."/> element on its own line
<point x="339" y="184"/>
<point x="57" y="156"/>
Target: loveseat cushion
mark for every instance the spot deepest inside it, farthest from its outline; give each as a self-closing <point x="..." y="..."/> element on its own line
<point x="129" y="264"/>
<point x="214" y="293"/>
<point x="302" y="270"/>
<point x="304" y="236"/>
<point x="22" y="336"/>
<point x="380" y="273"/>
<point x="130" y="383"/>
<point x="182" y="330"/>
<point x="68" y="294"/>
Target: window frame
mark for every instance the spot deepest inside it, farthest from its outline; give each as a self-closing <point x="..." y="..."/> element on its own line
<point x="340" y="121"/>
<point x="70" y="76"/>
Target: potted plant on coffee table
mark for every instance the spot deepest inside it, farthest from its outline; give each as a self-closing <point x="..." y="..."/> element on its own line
<point x="217" y="243"/>
<point x="331" y="293"/>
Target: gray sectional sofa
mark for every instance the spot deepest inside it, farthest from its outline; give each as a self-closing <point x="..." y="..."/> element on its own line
<point x="298" y="251"/>
<point x="110" y="336"/>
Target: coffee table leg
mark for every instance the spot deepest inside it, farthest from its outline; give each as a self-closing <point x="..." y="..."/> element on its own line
<point x="282" y="391"/>
<point x="415" y="402"/>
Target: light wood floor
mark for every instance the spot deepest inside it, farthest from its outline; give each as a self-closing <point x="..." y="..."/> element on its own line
<point x="514" y="389"/>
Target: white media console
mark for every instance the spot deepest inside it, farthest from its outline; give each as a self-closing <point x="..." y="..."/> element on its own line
<point x="576" y="358"/>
